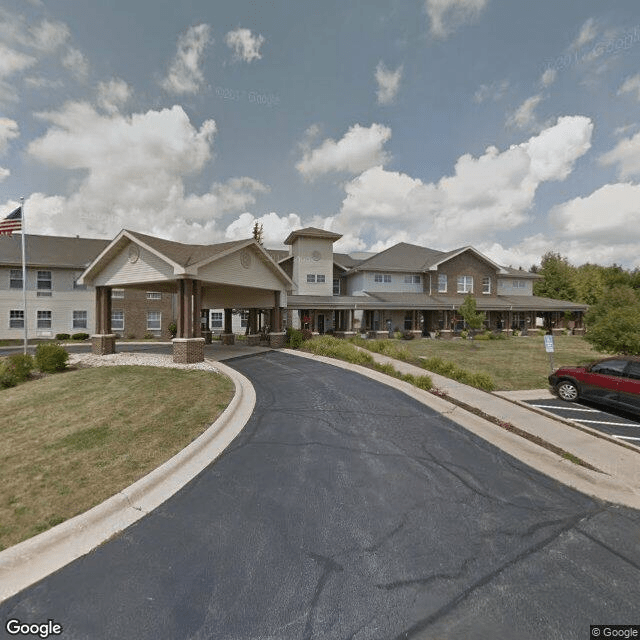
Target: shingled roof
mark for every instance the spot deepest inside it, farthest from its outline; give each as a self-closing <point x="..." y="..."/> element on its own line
<point x="50" y="251"/>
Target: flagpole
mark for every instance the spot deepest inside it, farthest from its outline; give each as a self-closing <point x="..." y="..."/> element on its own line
<point x="24" y="277"/>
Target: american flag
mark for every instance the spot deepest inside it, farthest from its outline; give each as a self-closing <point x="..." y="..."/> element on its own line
<point x="13" y="222"/>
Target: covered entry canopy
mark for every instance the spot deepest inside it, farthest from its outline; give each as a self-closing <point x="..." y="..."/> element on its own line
<point x="238" y="274"/>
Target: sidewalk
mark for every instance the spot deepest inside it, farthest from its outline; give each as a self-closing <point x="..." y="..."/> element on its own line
<point x="619" y="464"/>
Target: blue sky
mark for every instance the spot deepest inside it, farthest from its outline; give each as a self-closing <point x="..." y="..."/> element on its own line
<point x="508" y="125"/>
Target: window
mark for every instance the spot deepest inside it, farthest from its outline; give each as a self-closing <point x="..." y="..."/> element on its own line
<point x="519" y="284"/>
<point x="117" y="321"/>
<point x="382" y="277"/>
<point x="610" y="367"/>
<point x="154" y="295"/>
<point x="44" y="320"/>
<point x="154" y="320"/>
<point x="244" y="318"/>
<point x="15" y="279"/>
<point x="117" y="293"/>
<point x="336" y="286"/>
<point x="16" y="319"/>
<point x="79" y="319"/>
<point x="486" y="285"/>
<point x="311" y="277"/>
<point x="465" y="284"/>
<point x="412" y="279"/>
<point x="442" y="283"/>
<point x="44" y="283"/>
<point x="44" y="280"/>
<point x="216" y="319"/>
<point x="320" y="278"/>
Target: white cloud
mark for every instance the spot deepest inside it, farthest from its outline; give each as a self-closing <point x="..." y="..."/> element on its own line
<point x="244" y="44"/>
<point x="588" y="33"/>
<point x="626" y="154"/>
<point x="12" y="61"/>
<point x="9" y="130"/>
<point x="185" y="75"/>
<point x="494" y="91"/>
<point x="494" y="191"/>
<point x="447" y="15"/>
<point x="113" y="94"/>
<point x="359" y="148"/>
<point x="4" y="173"/>
<point x="275" y="228"/>
<point x="548" y="77"/>
<point x="40" y="82"/>
<point x="524" y="116"/>
<point x="631" y="85"/>
<point x="48" y="36"/>
<point x="388" y="83"/>
<point x="76" y="62"/>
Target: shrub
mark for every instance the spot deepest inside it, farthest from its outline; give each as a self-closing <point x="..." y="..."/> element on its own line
<point x="148" y="336"/>
<point x="497" y="336"/>
<point x="62" y="336"/>
<point x="423" y="382"/>
<point x="79" y="336"/>
<point x="294" y="338"/>
<point x="307" y="334"/>
<point x="131" y="336"/>
<point x="51" y="357"/>
<point x="408" y="335"/>
<point x="337" y="348"/>
<point x="483" y="336"/>
<point x="173" y="329"/>
<point x="451" y="370"/>
<point x="482" y="381"/>
<point x="7" y="377"/>
<point x="21" y="365"/>
<point x="389" y="369"/>
<point x="464" y="334"/>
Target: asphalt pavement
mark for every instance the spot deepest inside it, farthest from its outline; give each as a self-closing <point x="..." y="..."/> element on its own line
<point x="346" y="509"/>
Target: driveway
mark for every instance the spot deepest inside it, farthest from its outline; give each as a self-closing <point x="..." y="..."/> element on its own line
<point x="345" y="509"/>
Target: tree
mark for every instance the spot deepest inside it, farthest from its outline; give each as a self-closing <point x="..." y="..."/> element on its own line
<point x="258" y="232"/>
<point x="471" y="316"/>
<point x="614" y="322"/>
<point x="558" y="278"/>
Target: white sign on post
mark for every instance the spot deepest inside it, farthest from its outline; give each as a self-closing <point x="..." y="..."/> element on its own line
<point x="548" y="344"/>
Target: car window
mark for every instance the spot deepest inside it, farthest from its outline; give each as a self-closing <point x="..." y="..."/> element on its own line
<point x="633" y="371"/>
<point x="610" y="367"/>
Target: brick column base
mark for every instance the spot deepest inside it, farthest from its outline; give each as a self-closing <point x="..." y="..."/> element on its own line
<point x="277" y="340"/>
<point x="103" y="344"/>
<point x="344" y="334"/>
<point x="253" y="339"/>
<point x="378" y="335"/>
<point x="227" y="338"/>
<point x="188" y="350"/>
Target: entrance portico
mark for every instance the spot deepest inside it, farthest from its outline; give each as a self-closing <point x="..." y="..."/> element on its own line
<point x="229" y="275"/>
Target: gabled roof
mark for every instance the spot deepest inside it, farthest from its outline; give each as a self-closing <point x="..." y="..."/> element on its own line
<point x="400" y="257"/>
<point x="456" y="252"/>
<point x="50" y="251"/>
<point x="312" y="232"/>
<point x="519" y="273"/>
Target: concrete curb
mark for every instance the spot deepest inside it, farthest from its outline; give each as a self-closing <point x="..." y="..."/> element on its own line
<point x="597" y="485"/>
<point x="32" y="560"/>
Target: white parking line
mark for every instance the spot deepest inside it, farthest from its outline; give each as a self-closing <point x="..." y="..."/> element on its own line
<point x="613" y="424"/>
<point x="626" y="437"/>
<point x="552" y="406"/>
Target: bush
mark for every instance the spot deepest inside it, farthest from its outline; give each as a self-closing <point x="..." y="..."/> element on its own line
<point x="79" y="336"/>
<point x="294" y="338"/>
<point x="451" y="370"/>
<point x="21" y="365"/>
<point x="62" y="336"/>
<point x="307" y="334"/>
<point x="7" y="377"/>
<point x="423" y="382"/>
<point x="51" y="357"/>
<point x="483" y="336"/>
<point x="173" y="329"/>
<point x="464" y="334"/>
<point x="337" y="348"/>
<point x="148" y="336"/>
<point x="408" y="335"/>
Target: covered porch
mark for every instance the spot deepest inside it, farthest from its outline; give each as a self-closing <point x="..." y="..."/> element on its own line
<point x="230" y="275"/>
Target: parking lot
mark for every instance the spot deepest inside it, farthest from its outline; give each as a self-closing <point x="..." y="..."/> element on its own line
<point x="614" y="423"/>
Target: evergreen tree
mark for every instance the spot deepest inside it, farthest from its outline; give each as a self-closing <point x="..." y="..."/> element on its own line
<point x="258" y="232"/>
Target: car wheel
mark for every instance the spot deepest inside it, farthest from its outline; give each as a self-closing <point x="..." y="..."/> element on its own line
<point x="567" y="390"/>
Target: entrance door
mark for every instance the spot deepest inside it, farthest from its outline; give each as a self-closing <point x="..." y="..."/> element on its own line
<point x="320" y="321"/>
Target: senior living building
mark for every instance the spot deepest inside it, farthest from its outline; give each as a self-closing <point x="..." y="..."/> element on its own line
<point x="137" y="286"/>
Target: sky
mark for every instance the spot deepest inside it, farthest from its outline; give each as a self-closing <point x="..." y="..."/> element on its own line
<point x="509" y="125"/>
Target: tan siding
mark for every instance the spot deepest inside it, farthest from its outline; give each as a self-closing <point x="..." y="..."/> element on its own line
<point x="120" y="271"/>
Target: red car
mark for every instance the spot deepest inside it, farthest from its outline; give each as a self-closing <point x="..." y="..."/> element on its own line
<point x="613" y="381"/>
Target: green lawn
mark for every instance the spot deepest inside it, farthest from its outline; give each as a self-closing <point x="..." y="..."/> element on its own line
<point x="73" y="439"/>
<point x="515" y="363"/>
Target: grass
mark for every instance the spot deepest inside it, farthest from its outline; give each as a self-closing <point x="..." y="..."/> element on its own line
<point x="73" y="439"/>
<point x="513" y="364"/>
